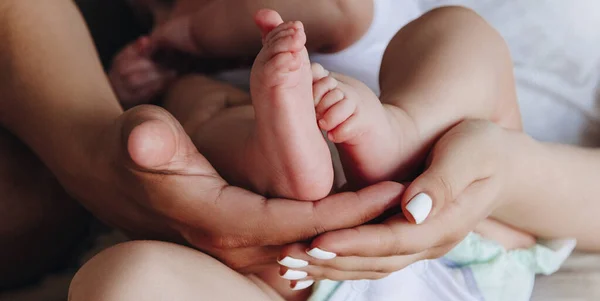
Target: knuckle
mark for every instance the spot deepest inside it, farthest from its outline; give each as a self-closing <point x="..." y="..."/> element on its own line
<point x="447" y="189"/>
<point x="317" y="230"/>
<point x="332" y="275"/>
<point x="318" y="273"/>
<point x="401" y="248"/>
<point x="391" y="246"/>
<point x="225" y="242"/>
<point x="384" y="270"/>
<point x="392" y="240"/>
<point x="318" y="226"/>
<point x="444" y="190"/>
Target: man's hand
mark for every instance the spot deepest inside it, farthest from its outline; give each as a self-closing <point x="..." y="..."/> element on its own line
<point x="139" y="171"/>
<point x="149" y="180"/>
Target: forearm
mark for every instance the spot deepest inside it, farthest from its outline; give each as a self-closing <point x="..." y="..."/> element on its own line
<point x="555" y="192"/>
<point x="53" y="92"/>
<point x="331" y="25"/>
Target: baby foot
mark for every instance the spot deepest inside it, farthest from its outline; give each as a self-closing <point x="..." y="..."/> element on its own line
<point x="364" y="130"/>
<point x="286" y="134"/>
<point x="135" y="77"/>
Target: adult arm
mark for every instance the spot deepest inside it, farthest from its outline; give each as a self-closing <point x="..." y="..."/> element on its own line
<point x="138" y="170"/>
<point x="556" y="193"/>
<point x="54" y="94"/>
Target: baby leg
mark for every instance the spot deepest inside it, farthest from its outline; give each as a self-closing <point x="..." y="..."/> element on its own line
<point x="444" y="67"/>
<point x="274" y="146"/>
<point x="447" y="66"/>
<point x="161" y="271"/>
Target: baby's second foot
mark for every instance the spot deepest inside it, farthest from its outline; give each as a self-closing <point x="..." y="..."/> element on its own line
<point x="366" y="133"/>
<point x="286" y="137"/>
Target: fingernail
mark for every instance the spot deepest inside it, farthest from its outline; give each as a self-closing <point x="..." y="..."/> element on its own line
<point x="300" y="285"/>
<point x="420" y="207"/>
<point x="292" y="263"/>
<point x="294" y="275"/>
<point x="320" y="254"/>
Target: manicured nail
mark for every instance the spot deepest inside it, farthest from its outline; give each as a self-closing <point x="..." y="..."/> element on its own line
<point x="320" y="254"/>
<point x="420" y="207"/>
<point x="294" y="275"/>
<point x="300" y="285"/>
<point x="293" y="263"/>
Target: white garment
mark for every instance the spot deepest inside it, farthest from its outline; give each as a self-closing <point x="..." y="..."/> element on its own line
<point x="363" y="59"/>
<point x="421" y="281"/>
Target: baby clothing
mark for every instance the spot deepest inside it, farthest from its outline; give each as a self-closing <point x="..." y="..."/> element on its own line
<point x="363" y="59"/>
<point x="475" y="270"/>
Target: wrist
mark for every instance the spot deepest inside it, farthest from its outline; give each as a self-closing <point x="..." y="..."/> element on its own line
<point x="82" y="148"/>
<point x="522" y="153"/>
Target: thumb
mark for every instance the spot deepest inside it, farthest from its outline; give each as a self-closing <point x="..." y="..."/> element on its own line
<point x="455" y="163"/>
<point x="154" y="140"/>
<point x="176" y="34"/>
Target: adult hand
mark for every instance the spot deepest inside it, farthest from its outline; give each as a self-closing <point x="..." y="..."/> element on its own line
<point x="139" y="171"/>
<point x="147" y="178"/>
<point x="467" y="173"/>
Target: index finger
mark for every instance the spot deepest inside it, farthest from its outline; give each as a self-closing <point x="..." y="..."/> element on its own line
<point x="396" y="236"/>
<point x="247" y="219"/>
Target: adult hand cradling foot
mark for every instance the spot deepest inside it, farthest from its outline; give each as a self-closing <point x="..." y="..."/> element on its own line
<point x="165" y="189"/>
<point x="468" y="177"/>
<point x="139" y="171"/>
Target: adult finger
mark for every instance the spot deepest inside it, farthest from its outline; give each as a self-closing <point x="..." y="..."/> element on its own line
<point x="292" y="255"/>
<point x="461" y="157"/>
<point x="248" y="219"/>
<point x="397" y="236"/>
<point x="321" y="273"/>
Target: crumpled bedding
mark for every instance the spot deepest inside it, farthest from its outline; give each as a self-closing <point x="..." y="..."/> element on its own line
<point x="556" y="48"/>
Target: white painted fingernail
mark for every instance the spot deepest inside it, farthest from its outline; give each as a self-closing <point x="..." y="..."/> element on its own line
<point x="300" y="285"/>
<point x="294" y="275"/>
<point x="320" y="254"/>
<point x="293" y="263"/>
<point x="420" y="207"/>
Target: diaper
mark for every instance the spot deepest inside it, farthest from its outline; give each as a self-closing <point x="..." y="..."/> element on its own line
<point x="477" y="269"/>
<point x="507" y="275"/>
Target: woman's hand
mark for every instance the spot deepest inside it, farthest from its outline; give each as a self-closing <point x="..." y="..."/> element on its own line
<point x="468" y="170"/>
